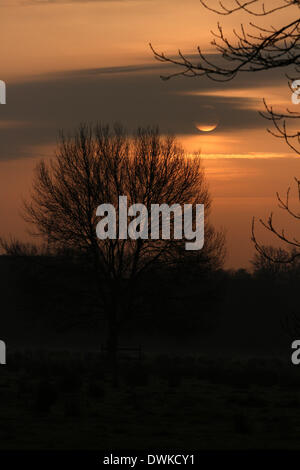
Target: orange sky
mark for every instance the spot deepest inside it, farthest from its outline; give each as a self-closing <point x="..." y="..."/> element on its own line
<point x="245" y="165"/>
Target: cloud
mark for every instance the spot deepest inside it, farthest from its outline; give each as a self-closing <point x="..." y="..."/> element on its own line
<point x="110" y="70"/>
<point x="131" y="94"/>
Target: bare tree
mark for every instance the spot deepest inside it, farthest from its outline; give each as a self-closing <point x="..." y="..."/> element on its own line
<point x="261" y="48"/>
<point x="272" y="262"/>
<point x="97" y="166"/>
<point x="271" y="268"/>
<point x="17" y="248"/>
<point x="285" y="126"/>
<point x="292" y="242"/>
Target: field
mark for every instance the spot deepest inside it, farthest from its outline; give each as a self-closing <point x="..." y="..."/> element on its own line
<point x="63" y="400"/>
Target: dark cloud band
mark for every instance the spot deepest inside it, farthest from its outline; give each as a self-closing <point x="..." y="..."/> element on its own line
<point x="134" y="95"/>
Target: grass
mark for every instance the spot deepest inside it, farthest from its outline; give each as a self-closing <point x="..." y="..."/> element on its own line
<point x="67" y="401"/>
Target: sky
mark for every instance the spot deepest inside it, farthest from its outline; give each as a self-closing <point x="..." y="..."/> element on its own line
<point x="71" y="61"/>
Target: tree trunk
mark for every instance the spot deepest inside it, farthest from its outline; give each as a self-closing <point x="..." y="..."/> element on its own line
<point x="112" y="348"/>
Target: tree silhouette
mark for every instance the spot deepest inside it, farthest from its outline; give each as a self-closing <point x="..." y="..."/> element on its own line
<point x="97" y="166"/>
<point x="261" y="48"/>
<point x="264" y="267"/>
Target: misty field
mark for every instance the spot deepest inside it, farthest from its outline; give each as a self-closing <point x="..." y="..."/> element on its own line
<point x="66" y="400"/>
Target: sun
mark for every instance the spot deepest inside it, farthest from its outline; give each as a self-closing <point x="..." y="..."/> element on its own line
<point x="208" y="119"/>
<point x="206" y="127"/>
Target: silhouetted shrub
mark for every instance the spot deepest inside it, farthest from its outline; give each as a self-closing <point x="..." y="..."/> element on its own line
<point x="96" y="390"/>
<point x="174" y="377"/>
<point x="70" y="382"/>
<point x="137" y="376"/>
<point x="242" y="424"/>
<point x="72" y="407"/>
<point x="46" y="397"/>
